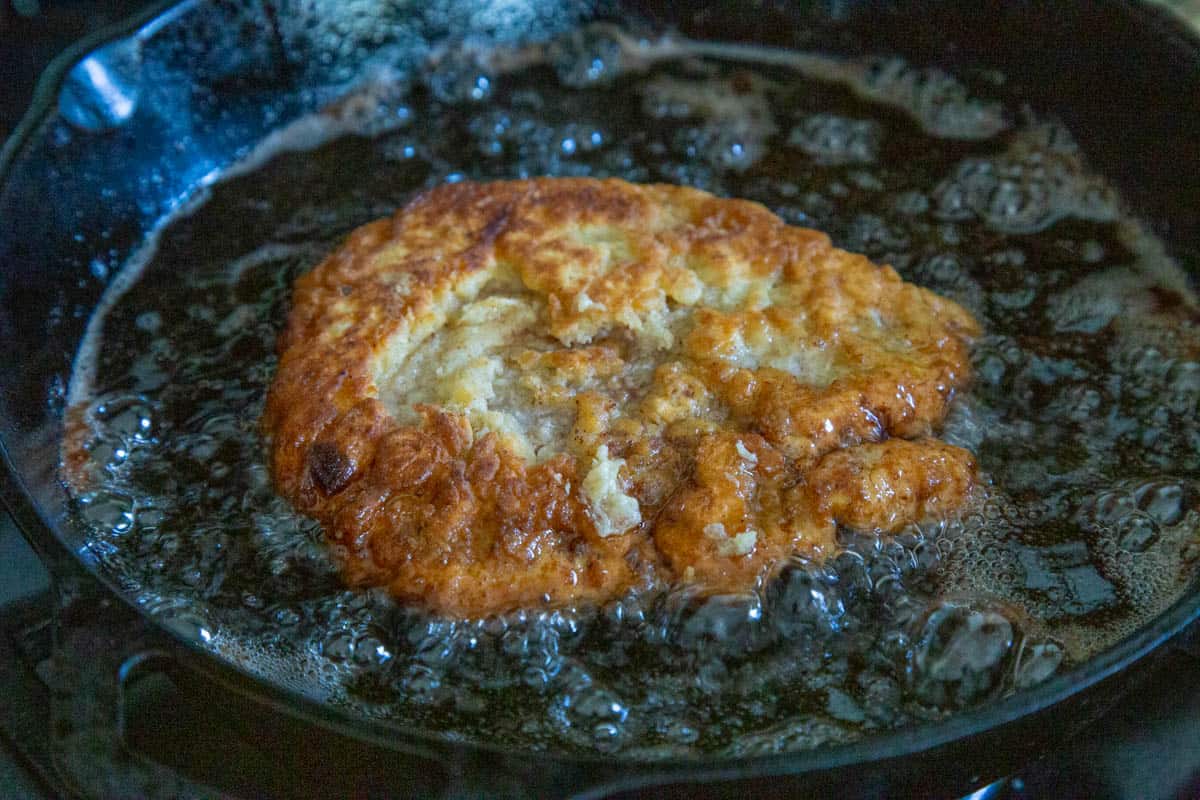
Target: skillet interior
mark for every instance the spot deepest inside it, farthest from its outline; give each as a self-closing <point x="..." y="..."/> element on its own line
<point x="81" y="165"/>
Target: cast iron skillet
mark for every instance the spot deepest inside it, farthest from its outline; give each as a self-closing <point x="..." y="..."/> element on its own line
<point x="154" y="110"/>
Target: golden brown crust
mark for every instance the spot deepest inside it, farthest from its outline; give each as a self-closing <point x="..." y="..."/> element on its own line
<point x="886" y="486"/>
<point x="541" y="391"/>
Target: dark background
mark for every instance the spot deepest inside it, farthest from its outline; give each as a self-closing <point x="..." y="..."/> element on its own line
<point x="32" y="33"/>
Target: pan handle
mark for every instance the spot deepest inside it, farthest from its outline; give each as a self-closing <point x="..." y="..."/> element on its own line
<point x="98" y="650"/>
<point x="99" y="647"/>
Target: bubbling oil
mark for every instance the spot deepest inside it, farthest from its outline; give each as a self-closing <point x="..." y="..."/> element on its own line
<point x="1083" y="414"/>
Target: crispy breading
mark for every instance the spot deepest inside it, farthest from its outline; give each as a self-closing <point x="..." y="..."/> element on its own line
<point x="547" y="391"/>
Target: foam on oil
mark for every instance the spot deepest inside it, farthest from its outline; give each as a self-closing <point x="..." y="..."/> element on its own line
<point x="1083" y="415"/>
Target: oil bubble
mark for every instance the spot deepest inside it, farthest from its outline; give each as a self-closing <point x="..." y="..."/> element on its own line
<point x="1163" y="502"/>
<point x="1036" y="662"/>
<point x="108" y="511"/>
<point x="940" y="103"/>
<point x="960" y="655"/>
<point x="128" y="416"/>
<point x="832" y="139"/>
<point x="586" y="57"/>
<point x="1024" y="191"/>
<point x="1137" y="532"/>
<point x="457" y="77"/>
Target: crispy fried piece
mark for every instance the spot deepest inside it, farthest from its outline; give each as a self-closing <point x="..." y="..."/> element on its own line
<point x="886" y="486"/>
<point x="547" y="391"/>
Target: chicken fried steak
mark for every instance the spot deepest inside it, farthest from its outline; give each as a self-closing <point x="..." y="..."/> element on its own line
<point x="549" y="391"/>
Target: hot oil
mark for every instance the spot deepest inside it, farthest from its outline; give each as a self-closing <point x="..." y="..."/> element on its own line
<point x="1083" y="414"/>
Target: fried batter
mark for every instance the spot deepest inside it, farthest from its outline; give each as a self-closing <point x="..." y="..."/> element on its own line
<point x="549" y="391"/>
